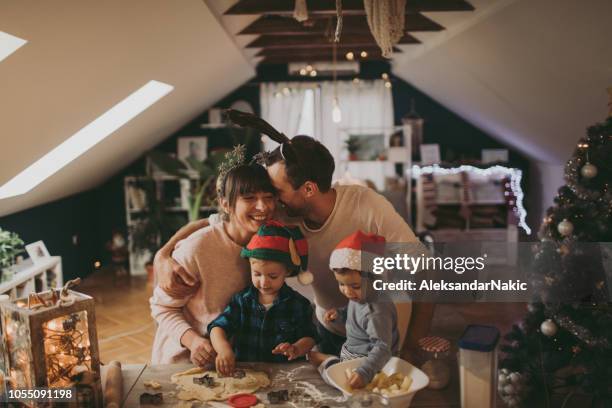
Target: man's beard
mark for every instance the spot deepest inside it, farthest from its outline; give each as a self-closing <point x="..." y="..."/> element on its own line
<point x="293" y="212"/>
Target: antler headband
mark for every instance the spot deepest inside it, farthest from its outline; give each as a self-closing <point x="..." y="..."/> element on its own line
<point x="245" y="119"/>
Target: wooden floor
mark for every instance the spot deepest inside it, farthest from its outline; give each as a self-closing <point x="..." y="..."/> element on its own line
<point x="126" y="329"/>
<point x="125" y="326"/>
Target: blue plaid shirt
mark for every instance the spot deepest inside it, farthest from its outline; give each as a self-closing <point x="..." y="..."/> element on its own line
<point x="256" y="331"/>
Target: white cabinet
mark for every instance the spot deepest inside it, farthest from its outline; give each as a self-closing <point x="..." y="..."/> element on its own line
<point x="38" y="277"/>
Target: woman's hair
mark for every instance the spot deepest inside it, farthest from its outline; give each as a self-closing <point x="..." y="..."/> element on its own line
<point x="241" y="180"/>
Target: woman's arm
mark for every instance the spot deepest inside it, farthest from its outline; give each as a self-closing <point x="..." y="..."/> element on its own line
<point x="170" y="275"/>
<point x="168" y="313"/>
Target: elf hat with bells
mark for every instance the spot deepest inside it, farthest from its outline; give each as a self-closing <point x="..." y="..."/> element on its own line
<point x="357" y="252"/>
<point x="275" y="241"/>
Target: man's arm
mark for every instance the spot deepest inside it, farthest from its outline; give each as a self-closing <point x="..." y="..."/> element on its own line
<point x="171" y="276"/>
<point x="394" y="228"/>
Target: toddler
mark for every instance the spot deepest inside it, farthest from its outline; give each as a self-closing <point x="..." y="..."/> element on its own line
<point x="267" y="321"/>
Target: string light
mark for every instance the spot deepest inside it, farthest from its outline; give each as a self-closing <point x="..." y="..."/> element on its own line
<point x="350" y="56"/>
<point x="336" y="112"/>
<point x="500" y="171"/>
<point x="313" y="73"/>
<point x="364" y="54"/>
<point x="66" y="348"/>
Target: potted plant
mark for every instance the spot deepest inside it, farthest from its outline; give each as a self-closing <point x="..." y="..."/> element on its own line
<point x="205" y="173"/>
<point x="10" y="246"/>
<point x="352" y="145"/>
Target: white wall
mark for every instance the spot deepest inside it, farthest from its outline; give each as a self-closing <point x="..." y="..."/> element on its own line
<point x="544" y="181"/>
<point x="83" y="57"/>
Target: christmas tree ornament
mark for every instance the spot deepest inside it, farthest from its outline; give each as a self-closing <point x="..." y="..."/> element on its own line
<point x="565" y="227"/>
<point x="514" y="378"/>
<point x="588" y="170"/>
<point x="509" y="389"/>
<point x="548" y="328"/>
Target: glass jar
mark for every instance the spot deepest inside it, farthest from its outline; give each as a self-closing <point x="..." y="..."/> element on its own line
<point x="434" y="353"/>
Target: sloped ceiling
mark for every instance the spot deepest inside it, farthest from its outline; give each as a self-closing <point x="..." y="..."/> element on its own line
<point x="531" y="73"/>
<point x="82" y="57"/>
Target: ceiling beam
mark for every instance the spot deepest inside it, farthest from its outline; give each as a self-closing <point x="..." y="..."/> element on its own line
<point x="317" y="41"/>
<point x="278" y="25"/>
<point x="349" y="7"/>
<point x="341" y="52"/>
<point x="313" y="58"/>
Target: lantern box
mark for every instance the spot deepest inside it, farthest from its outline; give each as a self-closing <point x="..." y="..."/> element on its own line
<point x="52" y="342"/>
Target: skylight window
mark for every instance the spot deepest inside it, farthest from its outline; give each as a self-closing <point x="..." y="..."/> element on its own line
<point x="9" y="44"/>
<point x="85" y="138"/>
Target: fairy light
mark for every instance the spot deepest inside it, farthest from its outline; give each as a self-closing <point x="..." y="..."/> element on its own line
<point x="364" y="54"/>
<point x="350" y="56"/>
<point x="515" y="182"/>
<point x="66" y="348"/>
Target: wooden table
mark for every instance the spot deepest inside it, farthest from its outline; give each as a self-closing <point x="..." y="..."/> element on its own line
<point x="291" y="376"/>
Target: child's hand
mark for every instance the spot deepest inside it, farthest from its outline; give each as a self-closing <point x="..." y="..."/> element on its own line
<point x="202" y="351"/>
<point x="355" y="381"/>
<point x="286" y="349"/>
<point x="330" y="315"/>
<point x="225" y="361"/>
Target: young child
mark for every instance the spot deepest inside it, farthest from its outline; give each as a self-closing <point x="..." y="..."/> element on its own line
<point x="371" y="327"/>
<point x="268" y="321"/>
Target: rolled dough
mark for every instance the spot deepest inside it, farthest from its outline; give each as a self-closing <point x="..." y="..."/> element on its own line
<point x="225" y="388"/>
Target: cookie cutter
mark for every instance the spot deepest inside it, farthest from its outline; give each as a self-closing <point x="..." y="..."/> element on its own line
<point x="276" y="397"/>
<point x="151" y="399"/>
<point x="206" y="380"/>
<point x="238" y="374"/>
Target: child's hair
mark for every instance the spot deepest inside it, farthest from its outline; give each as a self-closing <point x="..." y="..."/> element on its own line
<point x="346" y="271"/>
<point x="243" y="179"/>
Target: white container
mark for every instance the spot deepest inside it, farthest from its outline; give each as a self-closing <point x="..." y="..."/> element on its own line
<point x="337" y="376"/>
<point x="478" y="366"/>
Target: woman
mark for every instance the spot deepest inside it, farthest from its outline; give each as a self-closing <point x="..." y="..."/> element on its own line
<point x="211" y="256"/>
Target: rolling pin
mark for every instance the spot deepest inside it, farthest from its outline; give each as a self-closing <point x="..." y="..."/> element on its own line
<point x="113" y="392"/>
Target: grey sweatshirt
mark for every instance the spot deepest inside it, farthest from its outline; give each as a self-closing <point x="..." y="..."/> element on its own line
<point x="371" y="331"/>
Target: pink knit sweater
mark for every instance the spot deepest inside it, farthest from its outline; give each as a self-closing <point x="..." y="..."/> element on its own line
<point x="214" y="259"/>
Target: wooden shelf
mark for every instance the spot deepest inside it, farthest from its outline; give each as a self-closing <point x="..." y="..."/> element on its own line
<point x="38" y="277"/>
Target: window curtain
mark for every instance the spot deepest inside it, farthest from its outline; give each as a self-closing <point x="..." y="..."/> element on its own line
<point x="366" y="106"/>
<point x="282" y="104"/>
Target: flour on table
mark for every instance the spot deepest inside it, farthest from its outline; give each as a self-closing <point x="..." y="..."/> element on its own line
<point x="224" y="388"/>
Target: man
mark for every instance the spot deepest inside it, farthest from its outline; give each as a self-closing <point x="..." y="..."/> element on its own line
<point x="301" y="170"/>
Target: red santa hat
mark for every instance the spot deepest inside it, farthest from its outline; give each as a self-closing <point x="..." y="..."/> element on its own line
<point x="357" y="246"/>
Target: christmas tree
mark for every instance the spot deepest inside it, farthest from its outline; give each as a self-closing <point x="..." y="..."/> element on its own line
<point x="561" y="353"/>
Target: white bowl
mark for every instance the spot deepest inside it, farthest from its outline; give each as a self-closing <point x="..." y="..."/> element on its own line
<point x="337" y="376"/>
